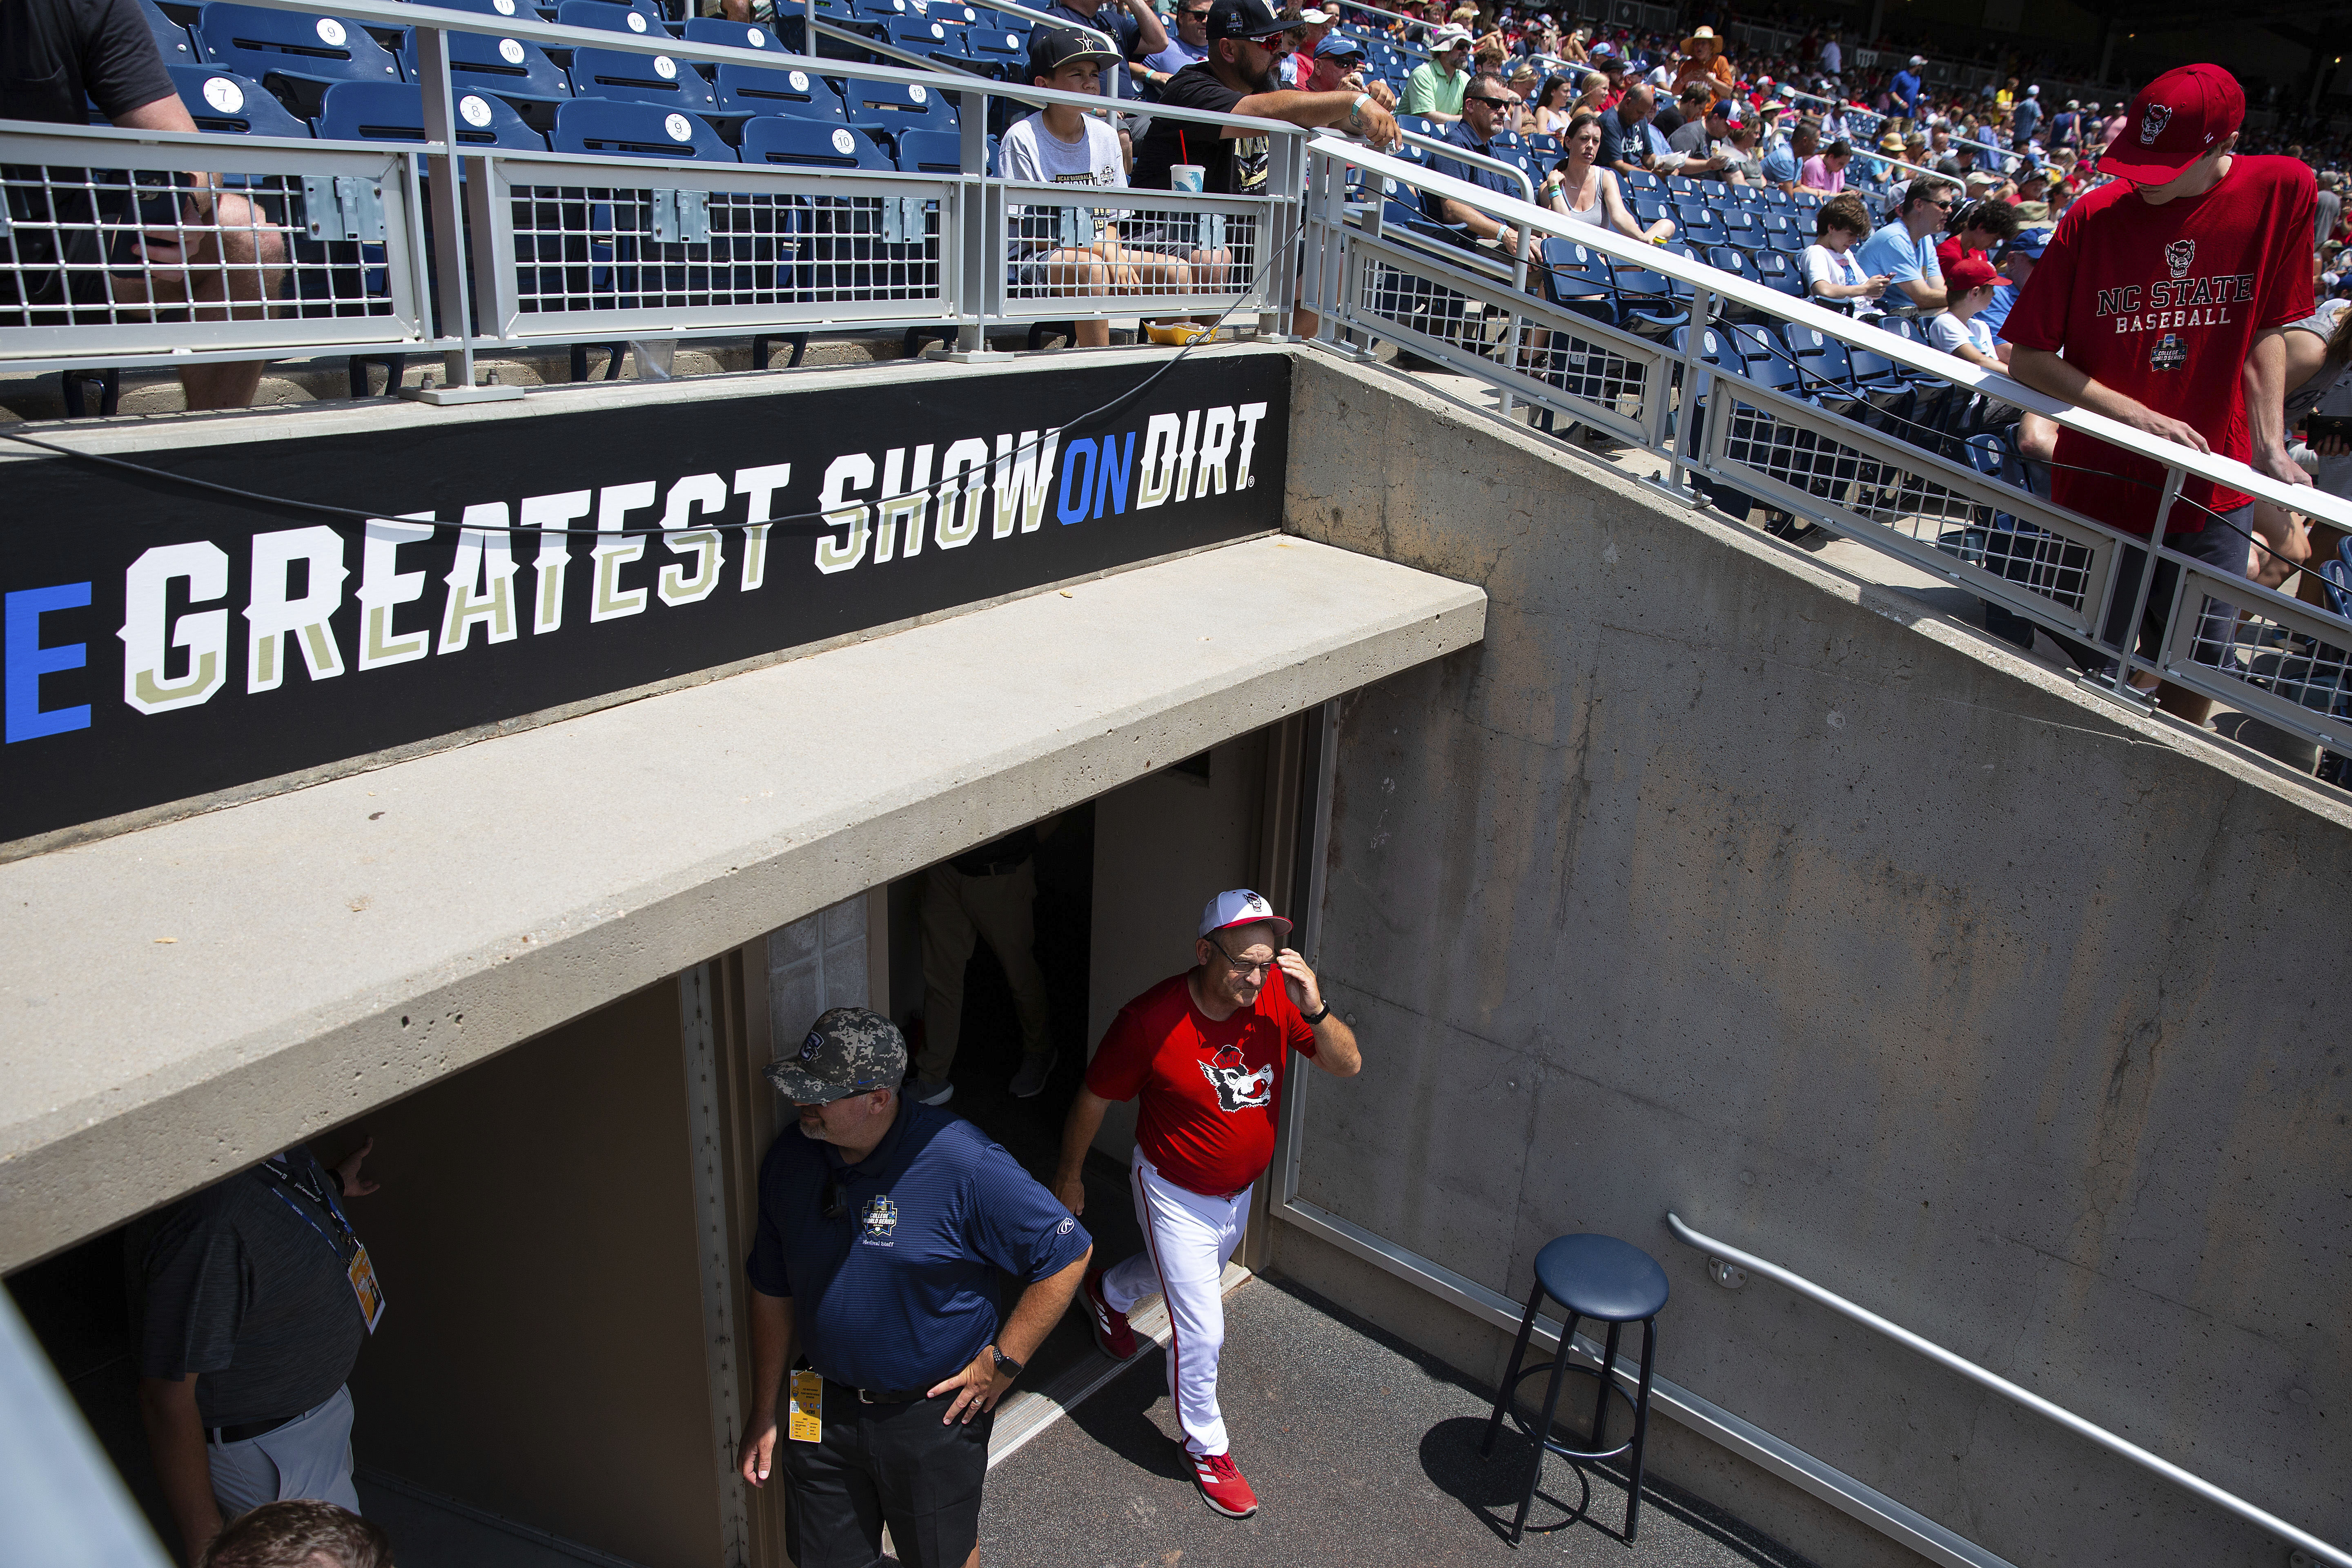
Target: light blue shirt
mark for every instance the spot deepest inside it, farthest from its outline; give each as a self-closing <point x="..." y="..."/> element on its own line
<point x="1781" y="165"/>
<point x="1903" y="259"/>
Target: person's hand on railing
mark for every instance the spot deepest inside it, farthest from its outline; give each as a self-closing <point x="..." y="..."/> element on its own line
<point x="1372" y="121"/>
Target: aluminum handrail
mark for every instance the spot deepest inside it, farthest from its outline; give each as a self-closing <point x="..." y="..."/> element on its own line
<point x="2260" y="1518"/>
<point x="1956" y="141"/>
<point x="2225" y="471"/>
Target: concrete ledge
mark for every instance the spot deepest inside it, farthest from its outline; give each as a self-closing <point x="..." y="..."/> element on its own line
<point x="178" y="1001"/>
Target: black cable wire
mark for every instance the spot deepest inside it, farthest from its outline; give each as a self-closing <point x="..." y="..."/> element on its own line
<point x="801" y="524"/>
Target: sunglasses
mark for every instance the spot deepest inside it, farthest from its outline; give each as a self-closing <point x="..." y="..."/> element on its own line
<point x="1490" y="102"/>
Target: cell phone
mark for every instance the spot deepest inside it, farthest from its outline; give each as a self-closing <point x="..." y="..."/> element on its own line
<point x="2320" y="426"/>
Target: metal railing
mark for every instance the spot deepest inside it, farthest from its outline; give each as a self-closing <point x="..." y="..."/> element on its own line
<point x="2302" y="1539"/>
<point x="1874" y="459"/>
<point x="130" y="249"/>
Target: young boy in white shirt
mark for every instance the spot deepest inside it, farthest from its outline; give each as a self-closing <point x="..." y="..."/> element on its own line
<point x="1063" y="146"/>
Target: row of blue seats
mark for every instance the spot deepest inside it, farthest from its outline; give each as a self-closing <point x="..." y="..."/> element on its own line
<point x="297" y="56"/>
<point x="394" y="111"/>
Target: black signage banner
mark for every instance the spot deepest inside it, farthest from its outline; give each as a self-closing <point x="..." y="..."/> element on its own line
<point x="164" y="642"/>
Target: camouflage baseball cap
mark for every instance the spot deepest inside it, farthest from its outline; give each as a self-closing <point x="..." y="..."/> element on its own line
<point x="849" y="1050"/>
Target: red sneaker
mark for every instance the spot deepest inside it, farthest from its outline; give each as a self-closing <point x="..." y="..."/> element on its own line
<point x="1111" y="1333"/>
<point x="1222" y="1487"/>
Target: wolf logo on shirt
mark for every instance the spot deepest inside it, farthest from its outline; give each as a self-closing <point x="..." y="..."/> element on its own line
<point x="2180" y="255"/>
<point x="2153" y="122"/>
<point x="1239" y="1091"/>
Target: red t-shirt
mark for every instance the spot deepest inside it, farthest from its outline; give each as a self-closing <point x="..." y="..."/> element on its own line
<point x="2162" y="303"/>
<point x="1211" y="1090"/>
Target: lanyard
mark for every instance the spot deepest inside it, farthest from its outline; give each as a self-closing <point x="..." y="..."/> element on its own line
<point x="282" y="1176"/>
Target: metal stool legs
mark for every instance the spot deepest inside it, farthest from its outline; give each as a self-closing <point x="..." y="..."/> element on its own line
<point x="1605" y="1383"/>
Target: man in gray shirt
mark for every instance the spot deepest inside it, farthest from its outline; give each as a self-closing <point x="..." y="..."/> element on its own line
<point x="257" y="1296"/>
<point x="1698" y="141"/>
<point x="2328" y="211"/>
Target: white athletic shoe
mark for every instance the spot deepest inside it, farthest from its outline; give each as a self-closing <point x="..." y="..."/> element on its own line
<point x="932" y="1091"/>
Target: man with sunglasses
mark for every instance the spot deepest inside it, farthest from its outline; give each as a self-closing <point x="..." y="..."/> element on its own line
<point x="1187" y="45"/>
<point x="1901" y="251"/>
<point x="1206" y="1051"/>
<point x="883" y="1223"/>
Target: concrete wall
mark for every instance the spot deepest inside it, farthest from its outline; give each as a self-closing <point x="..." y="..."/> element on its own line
<point x="1710" y="881"/>
<point x="540" y="1354"/>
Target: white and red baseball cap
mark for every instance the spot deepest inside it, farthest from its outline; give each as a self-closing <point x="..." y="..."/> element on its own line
<point x="2176" y="120"/>
<point x="1239" y="907"/>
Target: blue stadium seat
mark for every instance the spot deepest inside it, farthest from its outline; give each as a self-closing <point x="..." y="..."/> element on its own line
<point x="898" y="106"/>
<point x="642" y="17"/>
<point x="936" y="152"/>
<point x="294" y="55"/>
<point x="646" y="79"/>
<point x="172" y="41"/>
<point x="394" y="111"/>
<point x="923" y="35"/>
<point x="725" y="33"/>
<point x="508" y="68"/>
<point x="773" y="139"/>
<point x="748" y="91"/>
<point x="522" y="9"/>
<point x="229" y="104"/>
<point x="609" y="128"/>
<point x="1001" y="42"/>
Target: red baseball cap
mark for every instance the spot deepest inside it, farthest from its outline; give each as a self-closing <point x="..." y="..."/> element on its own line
<point x="2176" y="120"/>
<point x="1968" y="272"/>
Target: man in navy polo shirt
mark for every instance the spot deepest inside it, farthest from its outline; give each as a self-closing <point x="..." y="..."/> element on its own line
<point x="1482" y="116"/>
<point x="882" y="1223"/>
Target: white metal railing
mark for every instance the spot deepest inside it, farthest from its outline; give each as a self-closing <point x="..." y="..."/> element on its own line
<point x="116" y="256"/>
<point x="1873" y="458"/>
<point x="2302" y="1540"/>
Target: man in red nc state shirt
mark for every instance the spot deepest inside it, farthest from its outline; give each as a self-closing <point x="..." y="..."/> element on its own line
<point x="2168" y="292"/>
<point x="1206" y="1049"/>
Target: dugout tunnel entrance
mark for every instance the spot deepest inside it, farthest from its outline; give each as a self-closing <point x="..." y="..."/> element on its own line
<point x="541" y="1395"/>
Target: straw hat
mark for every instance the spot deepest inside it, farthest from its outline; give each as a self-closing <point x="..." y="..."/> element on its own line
<point x="1704" y="35"/>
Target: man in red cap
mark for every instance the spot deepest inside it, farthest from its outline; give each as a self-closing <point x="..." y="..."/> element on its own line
<point x="1206" y="1049"/>
<point x="2160" y="303"/>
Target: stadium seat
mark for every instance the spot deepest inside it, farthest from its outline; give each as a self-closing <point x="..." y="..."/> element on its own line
<point x="524" y="75"/>
<point x="646" y="79"/>
<point x="935" y="41"/>
<point x="172" y="41"/>
<point x="936" y="152"/>
<point x="725" y="33"/>
<point x="522" y="8"/>
<point x="748" y="91"/>
<point x="394" y="111"/>
<point x="610" y="128"/>
<point x="998" y="44"/>
<point x="296" y="56"/>
<point x="773" y="139"/>
<point x="896" y="106"/>
<point x="228" y="104"/>
<point x="610" y="17"/>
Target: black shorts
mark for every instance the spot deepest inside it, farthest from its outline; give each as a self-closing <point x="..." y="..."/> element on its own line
<point x="70" y="229"/>
<point x="885" y="1464"/>
<point x="2221" y="544"/>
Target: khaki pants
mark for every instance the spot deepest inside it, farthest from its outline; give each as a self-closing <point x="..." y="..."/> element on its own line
<point x="999" y="909"/>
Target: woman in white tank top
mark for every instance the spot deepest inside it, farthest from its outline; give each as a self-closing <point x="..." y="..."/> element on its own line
<point x="1576" y="189"/>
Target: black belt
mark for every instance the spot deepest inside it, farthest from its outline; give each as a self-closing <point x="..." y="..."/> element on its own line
<point x="246" y="1431"/>
<point x="879" y="1395"/>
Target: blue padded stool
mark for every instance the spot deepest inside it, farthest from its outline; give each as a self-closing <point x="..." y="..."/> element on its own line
<point x="1610" y="1281"/>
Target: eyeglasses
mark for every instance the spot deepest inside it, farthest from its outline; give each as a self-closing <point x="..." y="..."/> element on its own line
<point x="1247" y="970"/>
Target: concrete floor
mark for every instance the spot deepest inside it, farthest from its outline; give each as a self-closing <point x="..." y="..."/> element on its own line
<point x="1361" y="1450"/>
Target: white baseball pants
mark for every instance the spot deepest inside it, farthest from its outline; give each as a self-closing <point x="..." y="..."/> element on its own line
<point x="1187" y="1238"/>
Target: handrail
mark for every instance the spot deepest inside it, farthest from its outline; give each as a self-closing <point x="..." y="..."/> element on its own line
<point x="2225" y="471"/>
<point x="2259" y="1517"/>
<point x="1956" y="141"/>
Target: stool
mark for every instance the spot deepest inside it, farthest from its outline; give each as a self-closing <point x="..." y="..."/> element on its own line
<point x="1610" y="1281"/>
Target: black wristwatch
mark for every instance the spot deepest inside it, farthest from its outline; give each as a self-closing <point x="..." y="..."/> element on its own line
<point x="1006" y="1364"/>
<point x="1318" y="1015"/>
